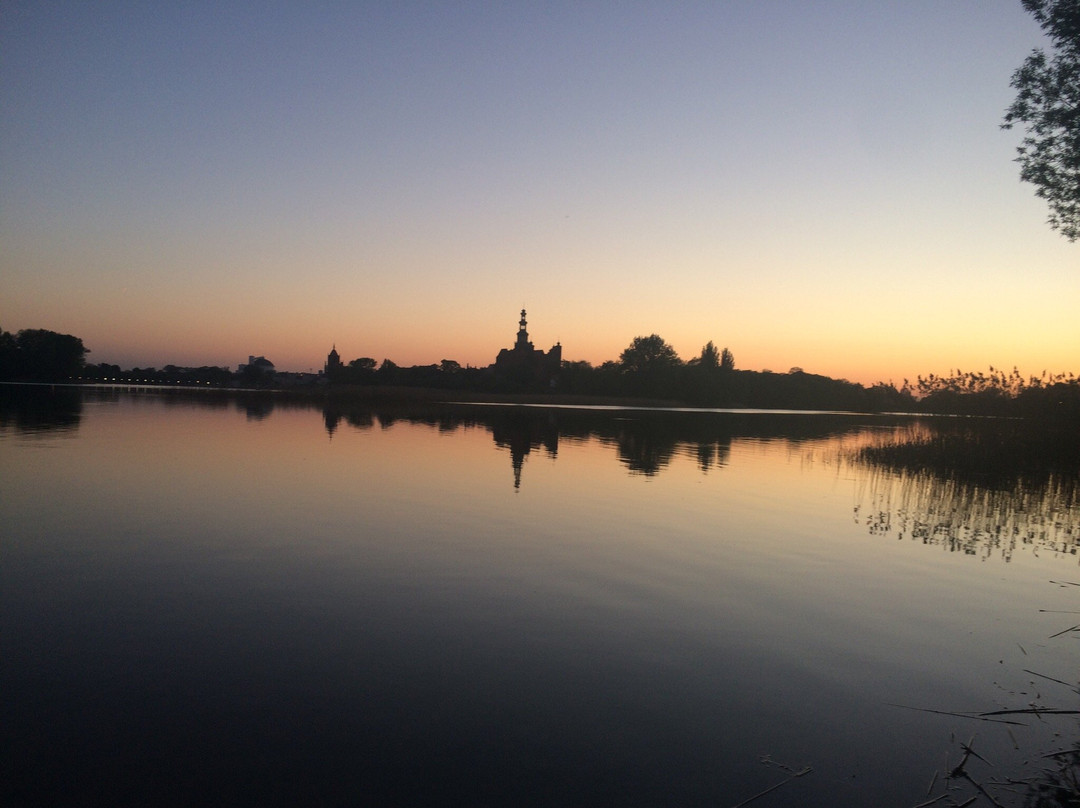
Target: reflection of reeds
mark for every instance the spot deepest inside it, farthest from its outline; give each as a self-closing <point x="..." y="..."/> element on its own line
<point x="977" y="491"/>
<point x="983" y="489"/>
<point x="1059" y="784"/>
<point x="967" y="518"/>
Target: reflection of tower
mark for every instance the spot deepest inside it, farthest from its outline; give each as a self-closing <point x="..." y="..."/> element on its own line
<point x="517" y="437"/>
<point x="331" y="418"/>
<point x="521" y="433"/>
<point x="517" y="460"/>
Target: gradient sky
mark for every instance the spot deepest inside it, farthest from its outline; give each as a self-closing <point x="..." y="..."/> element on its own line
<point x="822" y="185"/>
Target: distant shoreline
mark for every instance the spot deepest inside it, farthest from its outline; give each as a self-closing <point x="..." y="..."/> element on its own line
<point x="388" y="395"/>
<point x="379" y="394"/>
<point x="1055" y="413"/>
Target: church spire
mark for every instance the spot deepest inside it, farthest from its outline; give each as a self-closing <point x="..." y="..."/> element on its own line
<point x="523" y="335"/>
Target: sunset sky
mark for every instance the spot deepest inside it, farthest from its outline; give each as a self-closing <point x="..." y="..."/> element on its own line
<point x="822" y="185"/>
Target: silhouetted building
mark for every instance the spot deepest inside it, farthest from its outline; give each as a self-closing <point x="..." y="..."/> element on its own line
<point x="259" y="364"/>
<point x="525" y="364"/>
<point x="333" y="363"/>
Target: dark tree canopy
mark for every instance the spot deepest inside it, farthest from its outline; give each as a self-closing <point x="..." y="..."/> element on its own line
<point x="648" y="354"/>
<point x="710" y="357"/>
<point x="35" y="354"/>
<point x="1048" y="105"/>
<point x="364" y="363"/>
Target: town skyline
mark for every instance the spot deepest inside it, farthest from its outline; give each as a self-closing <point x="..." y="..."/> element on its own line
<point x="347" y="354"/>
<point x="824" y="187"/>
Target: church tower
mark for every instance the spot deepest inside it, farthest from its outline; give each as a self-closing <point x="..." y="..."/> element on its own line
<point x="333" y="362"/>
<point x="522" y="343"/>
<point x="523" y="366"/>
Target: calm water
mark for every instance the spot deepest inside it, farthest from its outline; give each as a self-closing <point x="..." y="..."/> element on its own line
<point x="249" y="602"/>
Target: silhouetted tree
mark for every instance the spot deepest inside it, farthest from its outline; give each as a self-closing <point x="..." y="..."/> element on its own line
<point x="358" y="371"/>
<point x="39" y="355"/>
<point x="7" y="355"/>
<point x="703" y="382"/>
<point x="710" y="357"/>
<point x="609" y="378"/>
<point x="727" y="360"/>
<point x="648" y="354"/>
<point x="578" y="377"/>
<point x="648" y="365"/>
<point x="107" y="371"/>
<point x="1048" y="104"/>
<point x="388" y="372"/>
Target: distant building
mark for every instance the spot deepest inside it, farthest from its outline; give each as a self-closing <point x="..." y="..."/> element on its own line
<point x="333" y="363"/>
<point x="256" y="364"/>
<point x="525" y="364"/>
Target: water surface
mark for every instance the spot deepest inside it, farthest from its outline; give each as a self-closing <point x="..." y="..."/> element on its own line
<point x="261" y="602"/>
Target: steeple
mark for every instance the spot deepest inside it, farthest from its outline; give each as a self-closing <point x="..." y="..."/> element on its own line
<point x="523" y="335"/>
<point x="333" y="362"/>
<point x="523" y="367"/>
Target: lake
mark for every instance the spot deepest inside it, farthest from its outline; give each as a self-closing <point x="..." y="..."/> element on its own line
<point x="245" y="600"/>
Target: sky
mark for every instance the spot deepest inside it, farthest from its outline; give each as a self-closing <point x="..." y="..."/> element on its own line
<point x="822" y="185"/>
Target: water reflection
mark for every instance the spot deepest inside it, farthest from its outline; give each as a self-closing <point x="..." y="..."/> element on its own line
<point x="962" y="517"/>
<point x="520" y="434"/>
<point x="268" y="600"/>
<point x="644" y="441"/>
<point x="983" y="488"/>
<point x="979" y="488"/>
<point x="39" y="409"/>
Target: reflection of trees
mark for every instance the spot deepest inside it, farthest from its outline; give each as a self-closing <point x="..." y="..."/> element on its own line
<point x="40" y="408"/>
<point x="256" y="408"/>
<point x="970" y="492"/>
<point x="647" y="444"/>
<point x="333" y="416"/>
<point x="644" y="451"/>
<point x="645" y="441"/>
<point x="710" y="454"/>
<point x="360" y="420"/>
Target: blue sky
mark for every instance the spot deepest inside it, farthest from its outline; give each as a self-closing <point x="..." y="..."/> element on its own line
<point x="822" y="185"/>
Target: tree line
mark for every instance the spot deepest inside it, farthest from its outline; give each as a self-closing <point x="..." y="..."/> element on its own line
<point x="649" y="369"/>
<point x="1000" y="392"/>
